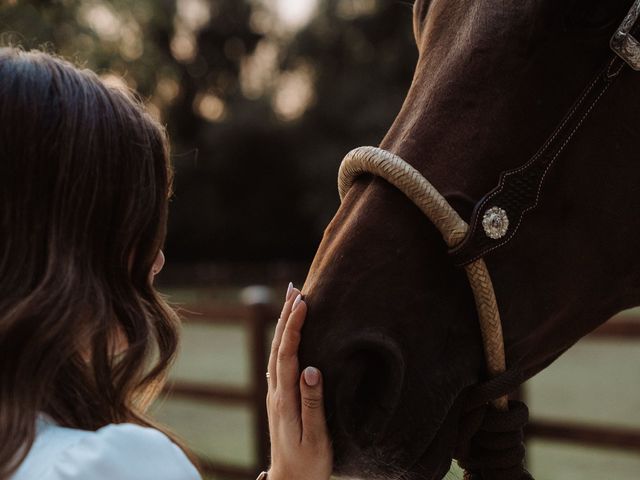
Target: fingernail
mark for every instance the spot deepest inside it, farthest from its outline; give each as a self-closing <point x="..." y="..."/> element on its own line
<point x="311" y="376"/>
<point x="289" y="290"/>
<point x="296" y="302"/>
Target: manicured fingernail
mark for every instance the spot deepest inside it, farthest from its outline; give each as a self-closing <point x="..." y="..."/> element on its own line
<point x="289" y="290"/>
<point x="311" y="376"/>
<point x="296" y="302"/>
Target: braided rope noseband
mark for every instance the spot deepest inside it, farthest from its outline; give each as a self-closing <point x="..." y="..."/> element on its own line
<point x="453" y="229"/>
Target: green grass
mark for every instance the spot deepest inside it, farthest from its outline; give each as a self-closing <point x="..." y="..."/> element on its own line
<point x="219" y="432"/>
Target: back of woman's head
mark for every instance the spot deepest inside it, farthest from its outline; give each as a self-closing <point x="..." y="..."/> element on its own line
<point x="84" y="186"/>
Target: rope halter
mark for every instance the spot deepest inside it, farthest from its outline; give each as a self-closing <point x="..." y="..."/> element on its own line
<point x="453" y="229"/>
<point x="495" y="450"/>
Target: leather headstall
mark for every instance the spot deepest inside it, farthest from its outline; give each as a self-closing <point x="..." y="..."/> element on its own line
<point x="498" y="215"/>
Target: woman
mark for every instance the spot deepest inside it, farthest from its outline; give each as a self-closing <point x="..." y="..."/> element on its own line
<point x="85" y="340"/>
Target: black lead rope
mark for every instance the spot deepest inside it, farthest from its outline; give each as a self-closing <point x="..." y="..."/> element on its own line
<point x="491" y="442"/>
<point x="496" y="451"/>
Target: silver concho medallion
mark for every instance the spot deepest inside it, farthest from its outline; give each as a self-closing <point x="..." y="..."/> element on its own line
<point x="623" y="43"/>
<point x="495" y="223"/>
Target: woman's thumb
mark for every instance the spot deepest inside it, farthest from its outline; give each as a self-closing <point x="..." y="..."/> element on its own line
<point x="314" y="427"/>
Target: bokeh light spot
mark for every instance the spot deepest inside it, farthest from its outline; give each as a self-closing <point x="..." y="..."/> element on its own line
<point x="295" y="14"/>
<point x="210" y="107"/>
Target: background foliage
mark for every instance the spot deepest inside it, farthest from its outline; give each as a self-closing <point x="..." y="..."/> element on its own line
<point x="261" y="98"/>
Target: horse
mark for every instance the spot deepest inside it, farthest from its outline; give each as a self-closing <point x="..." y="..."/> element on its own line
<point x="499" y="87"/>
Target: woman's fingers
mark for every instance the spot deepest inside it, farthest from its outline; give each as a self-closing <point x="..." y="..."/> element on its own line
<point x="314" y="426"/>
<point x="292" y="293"/>
<point x="287" y="358"/>
<point x="300" y="445"/>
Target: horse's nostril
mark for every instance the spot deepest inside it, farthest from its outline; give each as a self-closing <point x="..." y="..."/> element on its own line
<point x="369" y="388"/>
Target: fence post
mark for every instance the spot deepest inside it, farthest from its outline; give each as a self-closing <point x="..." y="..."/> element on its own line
<point x="258" y="299"/>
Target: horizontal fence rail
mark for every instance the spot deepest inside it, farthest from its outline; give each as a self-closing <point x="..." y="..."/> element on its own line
<point x="595" y="436"/>
<point x="619" y="328"/>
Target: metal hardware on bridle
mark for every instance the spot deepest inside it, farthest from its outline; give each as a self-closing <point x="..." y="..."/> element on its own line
<point x="623" y="43"/>
<point x="499" y="214"/>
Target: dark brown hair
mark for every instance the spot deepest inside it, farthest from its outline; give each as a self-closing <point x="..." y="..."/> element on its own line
<point x="84" y="187"/>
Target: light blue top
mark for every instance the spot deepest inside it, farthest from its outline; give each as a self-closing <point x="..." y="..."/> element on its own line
<point x="115" y="452"/>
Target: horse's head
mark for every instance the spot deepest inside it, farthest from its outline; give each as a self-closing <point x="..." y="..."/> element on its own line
<point x="392" y="321"/>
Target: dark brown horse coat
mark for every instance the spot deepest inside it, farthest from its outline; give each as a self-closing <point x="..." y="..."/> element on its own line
<point x="392" y="321"/>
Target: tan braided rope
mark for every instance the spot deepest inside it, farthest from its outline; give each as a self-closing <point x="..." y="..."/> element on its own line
<point x="453" y="229"/>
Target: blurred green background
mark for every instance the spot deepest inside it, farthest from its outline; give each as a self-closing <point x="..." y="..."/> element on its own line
<point x="262" y="98"/>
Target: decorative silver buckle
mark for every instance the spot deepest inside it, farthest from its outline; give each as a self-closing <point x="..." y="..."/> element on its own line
<point x="623" y="43"/>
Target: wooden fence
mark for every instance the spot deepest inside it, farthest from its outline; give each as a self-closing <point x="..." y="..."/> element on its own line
<point x="258" y="319"/>
<point x="626" y="326"/>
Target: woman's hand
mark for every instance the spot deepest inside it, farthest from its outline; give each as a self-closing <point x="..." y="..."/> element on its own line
<point x="300" y="445"/>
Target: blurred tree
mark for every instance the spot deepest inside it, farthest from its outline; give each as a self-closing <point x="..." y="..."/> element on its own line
<point x="260" y="111"/>
<point x="363" y="54"/>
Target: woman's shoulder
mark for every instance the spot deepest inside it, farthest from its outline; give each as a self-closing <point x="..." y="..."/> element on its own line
<point x="118" y="451"/>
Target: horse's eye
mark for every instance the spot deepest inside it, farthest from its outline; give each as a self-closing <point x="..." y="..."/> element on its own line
<point x="592" y="14"/>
